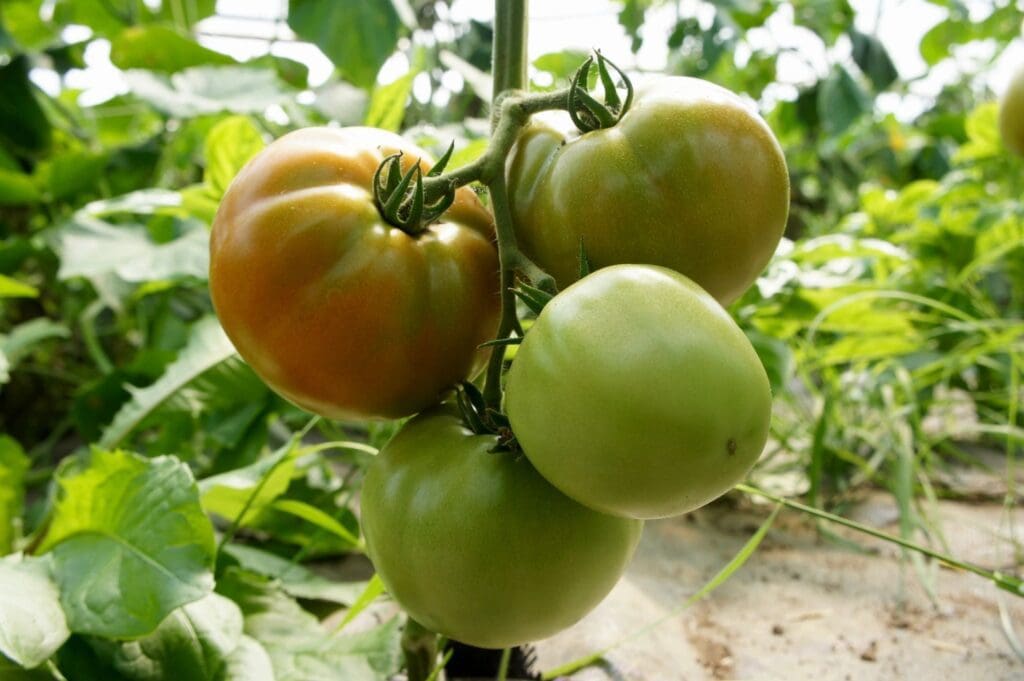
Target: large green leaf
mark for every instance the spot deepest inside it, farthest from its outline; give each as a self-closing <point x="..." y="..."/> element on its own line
<point x="229" y="146"/>
<point x="17" y="187"/>
<point x="23" y="125"/>
<point x="130" y="542"/>
<point x="248" y="662"/>
<point x="107" y="18"/>
<point x="841" y="101"/>
<point x="296" y="580"/>
<point x="873" y="59"/>
<point x="299" y="647"/>
<point x="209" y="89"/>
<point x="195" y="642"/>
<point x="1002" y="25"/>
<point x="92" y="248"/>
<point x="23" y="22"/>
<point x="357" y="35"/>
<point x="69" y="173"/>
<point x="133" y="48"/>
<point x="251" y="489"/>
<point x="32" y="623"/>
<point x="208" y="347"/>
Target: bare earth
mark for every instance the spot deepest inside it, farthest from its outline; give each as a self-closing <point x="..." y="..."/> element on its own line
<point x="803" y="607"/>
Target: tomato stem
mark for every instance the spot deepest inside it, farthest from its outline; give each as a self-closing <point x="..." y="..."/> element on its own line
<point x="419" y="648"/>
<point x="1001" y="580"/>
<point x="509" y="54"/>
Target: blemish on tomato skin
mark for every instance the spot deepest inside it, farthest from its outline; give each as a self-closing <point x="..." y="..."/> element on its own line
<point x="731" y="446"/>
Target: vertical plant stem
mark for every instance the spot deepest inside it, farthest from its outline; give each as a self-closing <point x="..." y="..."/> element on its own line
<point x="510" y="22"/>
<point x="506" y="258"/>
<point x="419" y="647"/>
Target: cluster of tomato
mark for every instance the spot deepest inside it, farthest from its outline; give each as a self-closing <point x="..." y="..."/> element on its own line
<point x="634" y="395"/>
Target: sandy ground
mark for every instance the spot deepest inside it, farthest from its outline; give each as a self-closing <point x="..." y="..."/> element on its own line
<point x="803" y="607"/>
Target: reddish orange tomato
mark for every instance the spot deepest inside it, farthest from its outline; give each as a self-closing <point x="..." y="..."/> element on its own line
<point x="337" y="310"/>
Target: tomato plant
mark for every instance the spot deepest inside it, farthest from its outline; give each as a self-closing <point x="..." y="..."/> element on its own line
<point x="479" y="547"/>
<point x="335" y="309"/>
<point x="1011" y="114"/>
<point x="636" y="394"/>
<point x="689" y="179"/>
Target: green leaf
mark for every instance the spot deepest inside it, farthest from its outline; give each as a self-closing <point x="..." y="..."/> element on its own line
<point x="314" y="515"/>
<point x="17" y="187"/>
<point x="23" y="21"/>
<point x="13" y="465"/>
<point x="133" y="49"/>
<point x="299" y="646"/>
<point x="983" y="139"/>
<point x="388" y="103"/>
<point x="22" y="339"/>
<point x="93" y="248"/>
<point x="841" y="101"/>
<point x="109" y="17"/>
<point x="357" y="35"/>
<point x="296" y="580"/>
<point x="142" y="202"/>
<point x="1003" y="24"/>
<point x="561" y="65"/>
<point x="130" y="542"/>
<point x="828" y="18"/>
<point x="12" y="288"/>
<point x="194" y="642"/>
<point x="631" y="18"/>
<point x="32" y="623"/>
<point x="23" y="125"/>
<point x="207" y="348"/>
<point x="873" y="59"/>
<point x="776" y="357"/>
<point x="373" y="589"/>
<point x="70" y="173"/>
<point x="209" y="89"/>
<point x="248" y="662"/>
<point x="229" y="146"/>
<point x="251" y="489"/>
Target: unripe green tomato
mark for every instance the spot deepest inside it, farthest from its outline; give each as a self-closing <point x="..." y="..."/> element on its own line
<point x="1011" y="114"/>
<point x="476" y="545"/>
<point x="636" y="394"/>
<point x="690" y="179"/>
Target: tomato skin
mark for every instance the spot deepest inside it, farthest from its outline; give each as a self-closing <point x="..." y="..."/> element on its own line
<point x="636" y="394"/>
<point x="1011" y="114"/>
<point x="479" y="547"/>
<point x="689" y="179"/>
<point x="336" y="310"/>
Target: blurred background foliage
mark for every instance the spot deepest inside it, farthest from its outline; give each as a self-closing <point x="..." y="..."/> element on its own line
<point x="890" y="319"/>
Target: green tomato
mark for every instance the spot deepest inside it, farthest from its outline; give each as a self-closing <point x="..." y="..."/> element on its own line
<point x="690" y="179"/>
<point x="1011" y="114"/>
<point x="476" y="545"/>
<point x="636" y="394"/>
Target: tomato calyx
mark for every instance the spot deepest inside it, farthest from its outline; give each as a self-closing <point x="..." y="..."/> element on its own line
<point x="485" y="420"/>
<point x="401" y="198"/>
<point x="586" y="111"/>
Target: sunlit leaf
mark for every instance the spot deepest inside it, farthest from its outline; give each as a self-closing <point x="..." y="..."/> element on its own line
<point x="357" y="35"/>
<point x="32" y="623"/>
<point x="130" y="542"/>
